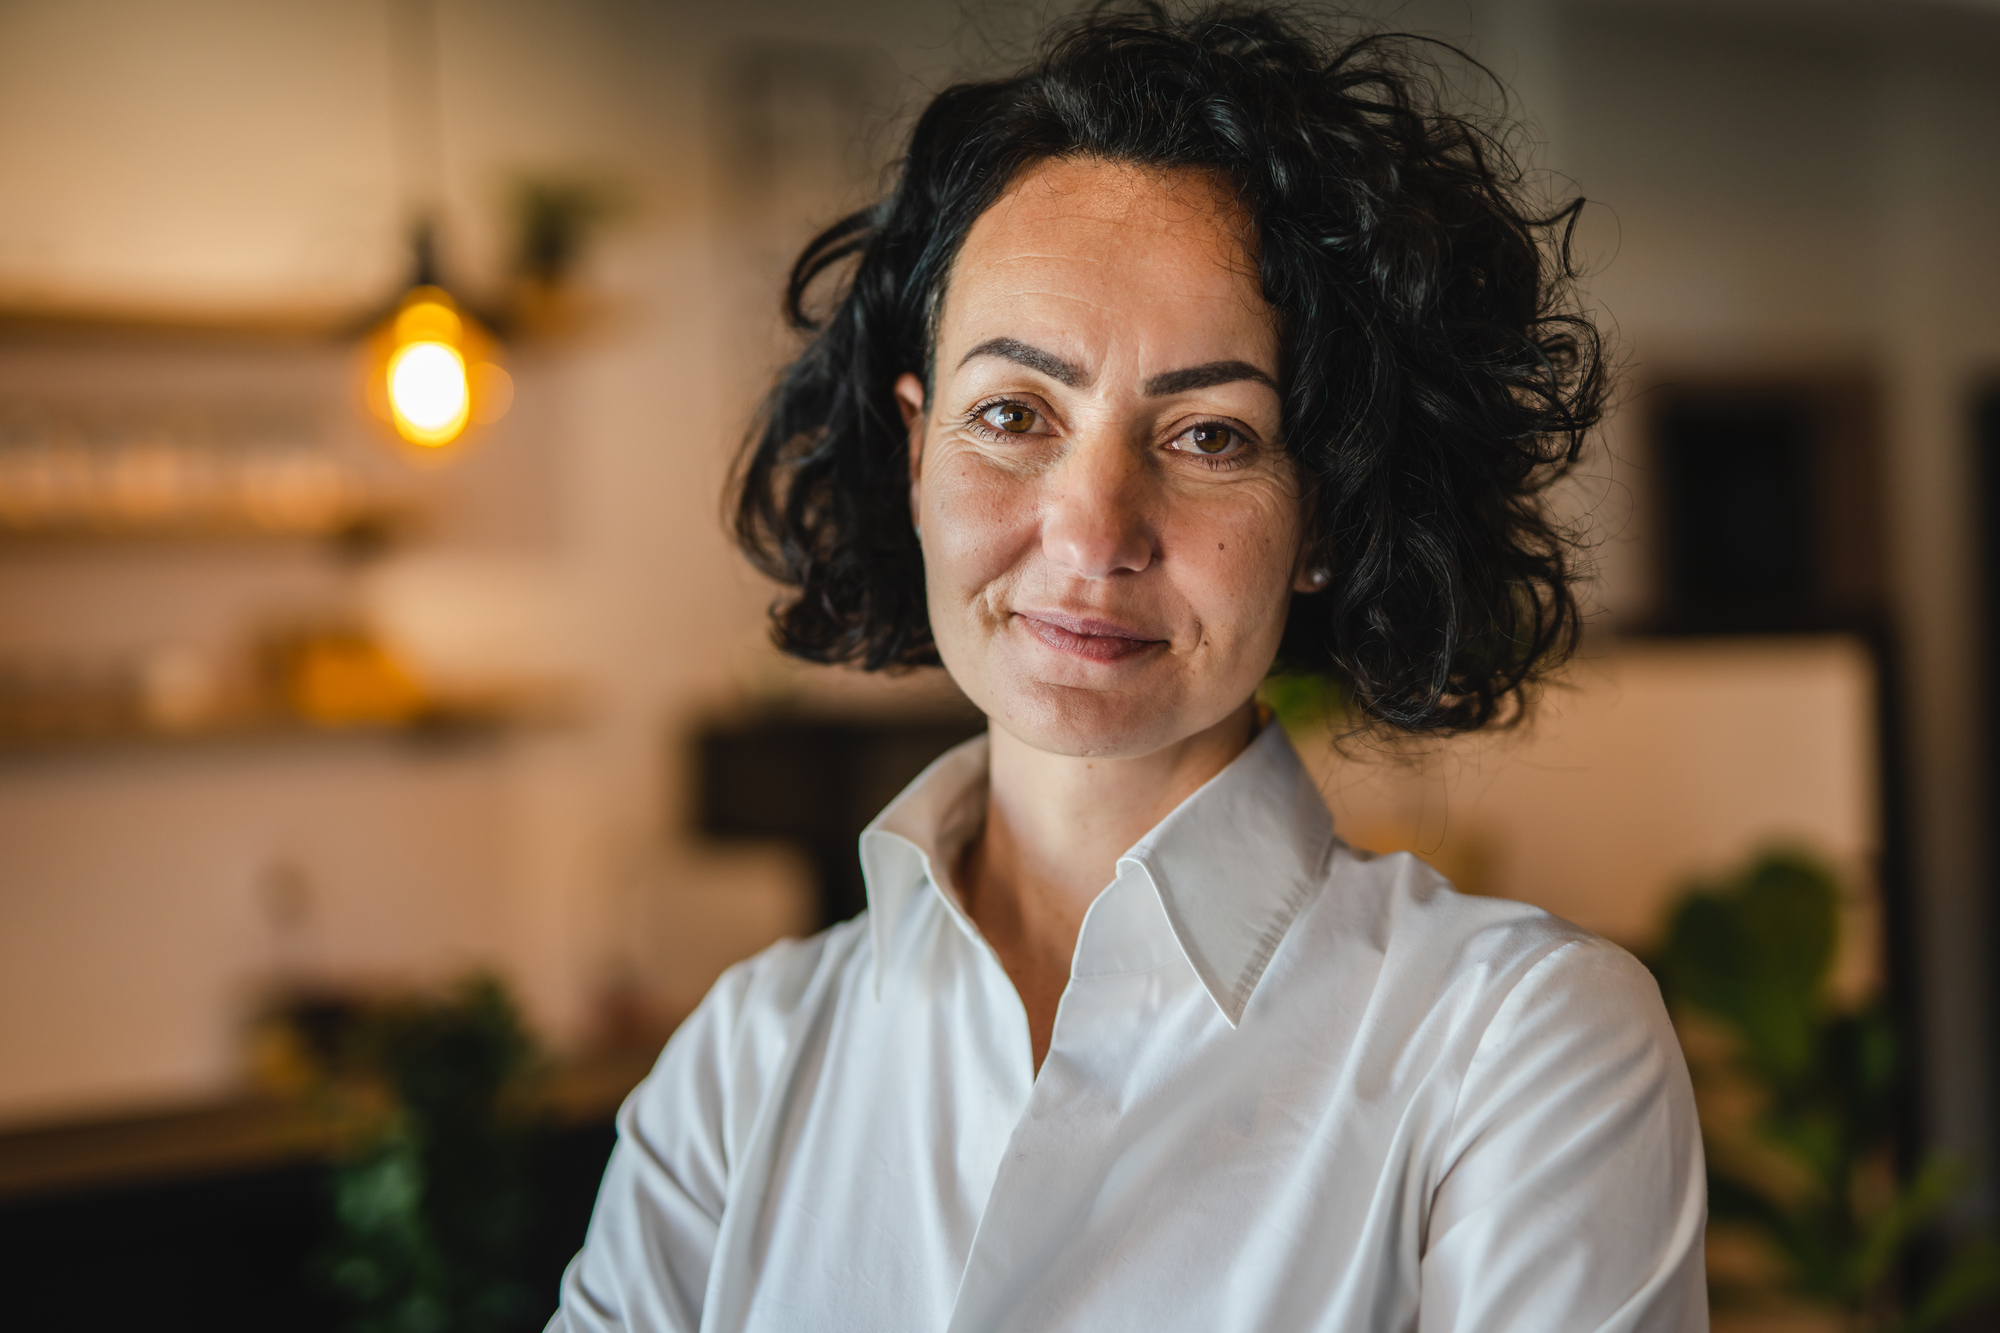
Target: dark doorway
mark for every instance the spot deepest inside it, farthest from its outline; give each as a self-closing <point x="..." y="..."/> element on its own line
<point x="1769" y="516"/>
<point x="1986" y="482"/>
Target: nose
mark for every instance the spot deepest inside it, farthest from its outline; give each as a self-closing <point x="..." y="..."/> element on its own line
<point x="1095" y="520"/>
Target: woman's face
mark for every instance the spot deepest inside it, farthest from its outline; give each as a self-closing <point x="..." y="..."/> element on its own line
<point x="1111" y="528"/>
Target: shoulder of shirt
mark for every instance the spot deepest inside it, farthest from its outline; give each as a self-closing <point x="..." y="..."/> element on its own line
<point x="1400" y="906"/>
<point x="753" y="1006"/>
<point x="1504" y="978"/>
<point x="775" y="982"/>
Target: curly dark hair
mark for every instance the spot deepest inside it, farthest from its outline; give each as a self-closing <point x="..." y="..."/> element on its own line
<point x="1436" y="373"/>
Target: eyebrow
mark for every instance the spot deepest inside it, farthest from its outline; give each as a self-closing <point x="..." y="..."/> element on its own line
<point x="1205" y="376"/>
<point x="1034" y="358"/>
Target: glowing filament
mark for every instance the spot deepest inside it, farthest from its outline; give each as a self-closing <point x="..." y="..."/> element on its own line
<point x="429" y="396"/>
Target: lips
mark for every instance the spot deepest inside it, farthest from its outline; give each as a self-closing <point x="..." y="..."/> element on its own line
<point x="1091" y="639"/>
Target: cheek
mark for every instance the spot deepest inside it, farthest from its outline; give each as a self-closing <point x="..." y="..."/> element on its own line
<point x="977" y="523"/>
<point x="1239" y="567"/>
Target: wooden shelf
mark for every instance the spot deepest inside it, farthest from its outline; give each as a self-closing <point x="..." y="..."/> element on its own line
<point x="247" y="1132"/>
<point x="361" y="531"/>
<point x="442" y="719"/>
<point x="302" y="325"/>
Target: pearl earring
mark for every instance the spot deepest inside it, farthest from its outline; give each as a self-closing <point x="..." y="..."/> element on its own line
<point x="1319" y="578"/>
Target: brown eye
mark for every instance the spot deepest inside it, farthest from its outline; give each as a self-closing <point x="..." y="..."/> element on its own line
<point x="1010" y="417"/>
<point x="1212" y="439"/>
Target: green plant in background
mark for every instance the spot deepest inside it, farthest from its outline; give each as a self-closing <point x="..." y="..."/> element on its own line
<point x="1806" y="1160"/>
<point x="432" y="1208"/>
<point x="554" y="218"/>
<point x="1304" y="702"/>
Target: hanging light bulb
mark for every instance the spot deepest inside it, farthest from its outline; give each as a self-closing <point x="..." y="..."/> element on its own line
<point x="430" y="393"/>
<point x="432" y="369"/>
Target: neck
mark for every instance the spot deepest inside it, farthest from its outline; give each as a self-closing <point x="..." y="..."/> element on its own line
<point x="1056" y="826"/>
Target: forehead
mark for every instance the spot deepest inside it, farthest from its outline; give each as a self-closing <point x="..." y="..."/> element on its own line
<point x="1099" y="249"/>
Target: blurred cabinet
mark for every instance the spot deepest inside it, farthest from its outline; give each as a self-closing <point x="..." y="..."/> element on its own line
<point x="1767" y="505"/>
<point x="816" y="782"/>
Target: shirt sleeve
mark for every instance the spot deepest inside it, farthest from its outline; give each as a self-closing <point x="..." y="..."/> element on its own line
<point x="1573" y="1196"/>
<point x="645" y="1259"/>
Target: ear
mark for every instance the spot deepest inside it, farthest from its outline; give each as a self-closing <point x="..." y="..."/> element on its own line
<point x="910" y="400"/>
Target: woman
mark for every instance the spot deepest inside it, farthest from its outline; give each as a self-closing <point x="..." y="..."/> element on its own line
<point x="1198" y="346"/>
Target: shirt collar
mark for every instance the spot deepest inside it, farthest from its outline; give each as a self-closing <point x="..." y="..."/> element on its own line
<point x="917" y="840"/>
<point x="1235" y="862"/>
<point x="1232" y="865"/>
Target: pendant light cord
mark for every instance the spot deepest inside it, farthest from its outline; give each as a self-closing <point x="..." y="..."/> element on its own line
<point x="415" y="85"/>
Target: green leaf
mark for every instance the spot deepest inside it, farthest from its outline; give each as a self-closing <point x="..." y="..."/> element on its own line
<point x="1970" y="1281"/>
<point x="1915" y="1205"/>
<point x="1859" y="1058"/>
<point x="1798" y="1233"/>
<point x="432" y="1218"/>
<point x="1756" y="953"/>
<point x="1789" y="911"/>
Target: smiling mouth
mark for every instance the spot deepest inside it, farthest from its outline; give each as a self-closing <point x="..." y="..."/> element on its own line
<point x="1092" y="640"/>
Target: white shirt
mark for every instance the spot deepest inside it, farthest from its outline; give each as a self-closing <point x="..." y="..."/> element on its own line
<point x="1290" y="1087"/>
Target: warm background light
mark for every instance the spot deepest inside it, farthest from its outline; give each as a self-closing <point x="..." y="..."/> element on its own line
<point x="428" y="393"/>
<point x="430" y="376"/>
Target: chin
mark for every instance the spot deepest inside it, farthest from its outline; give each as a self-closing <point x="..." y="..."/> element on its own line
<point x="1089" y="723"/>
